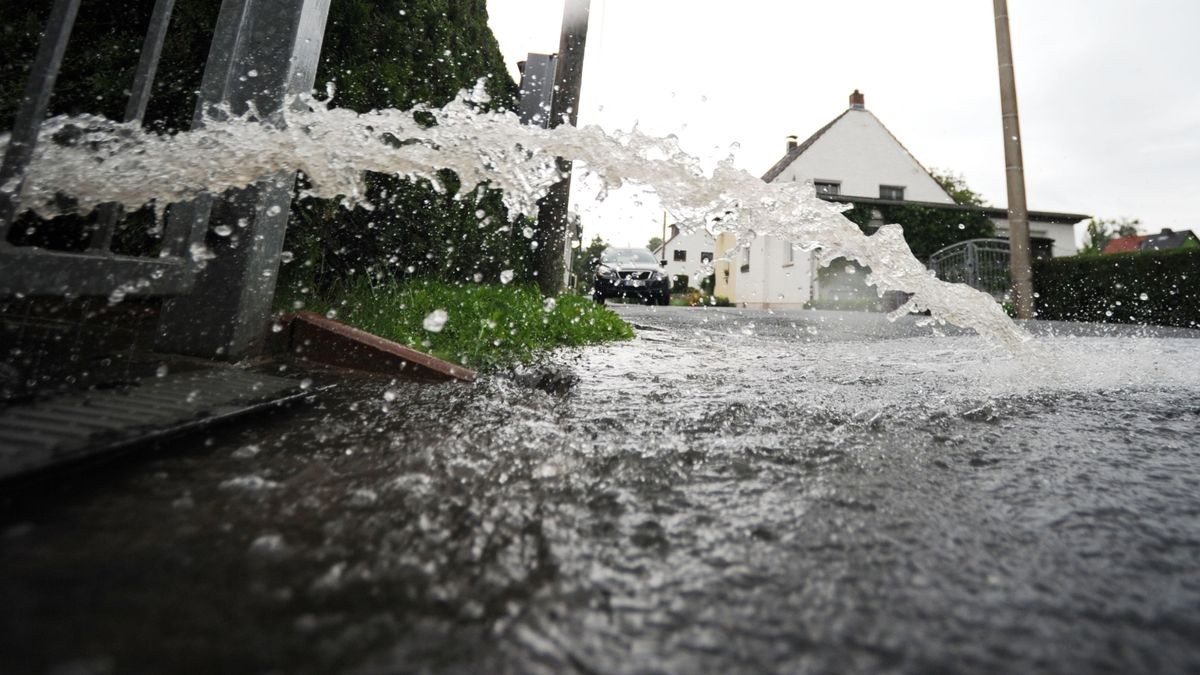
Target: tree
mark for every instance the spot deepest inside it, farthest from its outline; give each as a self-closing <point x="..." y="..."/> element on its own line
<point x="956" y="186"/>
<point x="1100" y="231"/>
<point x="654" y="243"/>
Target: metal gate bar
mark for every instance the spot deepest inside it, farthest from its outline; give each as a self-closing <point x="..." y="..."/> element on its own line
<point x="28" y="123"/>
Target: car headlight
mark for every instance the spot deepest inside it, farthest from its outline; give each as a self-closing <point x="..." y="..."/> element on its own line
<point x="659" y="276"/>
<point x="605" y="272"/>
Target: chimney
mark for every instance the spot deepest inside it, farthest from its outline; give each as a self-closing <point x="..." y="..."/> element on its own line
<point x="793" y="140"/>
<point x="858" y="101"/>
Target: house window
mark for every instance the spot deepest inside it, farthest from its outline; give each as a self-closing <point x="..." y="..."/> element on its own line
<point x="706" y="256"/>
<point x="789" y="254"/>
<point x="892" y="192"/>
<point x="746" y="259"/>
<point x="827" y="187"/>
<point x="680" y="255"/>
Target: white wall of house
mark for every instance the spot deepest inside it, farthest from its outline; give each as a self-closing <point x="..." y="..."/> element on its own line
<point x="862" y="155"/>
<point x="695" y="247"/>
<point x="1063" y="234"/>
<point x="768" y="278"/>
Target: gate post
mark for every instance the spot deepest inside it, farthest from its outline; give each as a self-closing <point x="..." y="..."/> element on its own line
<point x="264" y="52"/>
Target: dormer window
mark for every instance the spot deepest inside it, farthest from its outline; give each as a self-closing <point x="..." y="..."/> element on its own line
<point x="893" y="192"/>
<point x="827" y="188"/>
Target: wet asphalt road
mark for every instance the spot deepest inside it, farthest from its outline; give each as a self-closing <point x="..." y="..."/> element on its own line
<point x="733" y="491"/>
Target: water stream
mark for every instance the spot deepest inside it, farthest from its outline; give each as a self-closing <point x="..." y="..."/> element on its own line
<point x="94" y="161"/>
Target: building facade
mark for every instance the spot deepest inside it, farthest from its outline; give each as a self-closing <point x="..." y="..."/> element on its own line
<point x="855" y="159"/>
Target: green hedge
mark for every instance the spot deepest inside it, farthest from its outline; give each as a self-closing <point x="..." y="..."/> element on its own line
<point x="1147" y="287"/>
<point x="926" y="229"/>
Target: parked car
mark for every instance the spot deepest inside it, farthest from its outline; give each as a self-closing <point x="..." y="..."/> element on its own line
<point x="631" y="273"/>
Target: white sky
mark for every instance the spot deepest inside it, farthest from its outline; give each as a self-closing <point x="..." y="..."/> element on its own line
<point x="1109" y="90"/>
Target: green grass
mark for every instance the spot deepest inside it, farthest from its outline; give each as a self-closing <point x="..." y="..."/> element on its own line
<point x="486" y="327"/>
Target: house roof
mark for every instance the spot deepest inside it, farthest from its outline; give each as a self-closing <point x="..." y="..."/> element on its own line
<point x="989" y="211"/>
<point x="1124" y="244"/>
<point x="795" y="152"/>
<point x="1167" y="239"/>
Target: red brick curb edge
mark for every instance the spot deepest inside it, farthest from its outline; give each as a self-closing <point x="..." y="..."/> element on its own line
<point x="314" y="338"/>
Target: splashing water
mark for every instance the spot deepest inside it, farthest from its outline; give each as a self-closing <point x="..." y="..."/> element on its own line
<point x="94" y="161"/>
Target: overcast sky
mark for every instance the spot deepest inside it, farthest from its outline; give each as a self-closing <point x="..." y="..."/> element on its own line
<point x="1109" y="89"/>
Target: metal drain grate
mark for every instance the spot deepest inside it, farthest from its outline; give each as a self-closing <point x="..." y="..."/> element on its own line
<point x="76" y="426"/>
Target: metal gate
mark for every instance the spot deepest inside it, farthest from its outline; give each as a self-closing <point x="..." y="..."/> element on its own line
<point x="220" y="308"/>
<point x="31" y="270"/>
<point x="983" y="264"/>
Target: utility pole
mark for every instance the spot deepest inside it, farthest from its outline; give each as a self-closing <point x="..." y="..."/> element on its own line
<point x="664" y="239"/>
<point x="1018" y="213"/>
<point x="552" y="239"/>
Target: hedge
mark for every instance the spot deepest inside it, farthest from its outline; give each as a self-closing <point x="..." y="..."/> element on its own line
<point x="1146" y="287"/>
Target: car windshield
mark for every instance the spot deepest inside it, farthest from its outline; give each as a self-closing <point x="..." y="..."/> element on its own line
<point x="628" y="256"/>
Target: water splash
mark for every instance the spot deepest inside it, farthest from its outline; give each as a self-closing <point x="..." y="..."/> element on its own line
<point x="94" y="161"/>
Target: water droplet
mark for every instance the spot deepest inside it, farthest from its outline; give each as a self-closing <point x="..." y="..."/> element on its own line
<point x="528" y="232"/>
<point x="252" y="73"/>
<point x="274" y="210"/>
<point x="223" y="230"/>
<point x="331" y="314"/>
<point x="549" y="304"/>
<point x="246" y="451"/>
<point x="162" y="371"/>
<point x="435" y="320"/>
<point x="1144" y="297"/>
<point x="962" y="226"/>
<point x="389" y="395"/>
<point x="478" y="277"/>
<point x="506" y="276"/>
<point x="306" y="383"/>
<point x="287" y="256"/>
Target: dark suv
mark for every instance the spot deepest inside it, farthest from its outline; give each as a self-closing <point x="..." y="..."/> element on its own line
<point x="631" y="273"/>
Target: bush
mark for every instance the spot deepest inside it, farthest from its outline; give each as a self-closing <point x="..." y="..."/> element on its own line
<point x="1145" y="287"/>
<point x="679" y="284"/>
<point x="926" y="229"/>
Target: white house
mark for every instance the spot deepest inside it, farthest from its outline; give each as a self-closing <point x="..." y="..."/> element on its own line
<point x="687" y="254"/>
<point x="855" y="159"/>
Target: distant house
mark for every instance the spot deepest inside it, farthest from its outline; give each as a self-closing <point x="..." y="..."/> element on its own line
<point x="1124" y="244"/>
<point x="854" y="158"/>
<point x="1165" y="240"/>
<point x="1169" y="239"/>
<point x="688" y="254"/>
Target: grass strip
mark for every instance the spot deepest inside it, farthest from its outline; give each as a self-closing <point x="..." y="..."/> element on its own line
<point x="485" y="326"/>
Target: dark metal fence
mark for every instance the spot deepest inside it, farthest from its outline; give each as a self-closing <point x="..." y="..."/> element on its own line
<point x="983" y="264"/>
<point x="220" y="308"/>
<point x="32" y="270"/>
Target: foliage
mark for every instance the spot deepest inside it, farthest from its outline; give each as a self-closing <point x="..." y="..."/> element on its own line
<point x="956" y="186"/>
<point x="1100" y="231"/>
<point x="654" y="243"/>
<point x="926" y="229"/>
<point x="488" y="326"/>
<point x="1145" y="287"/>
<point x="679" y="284"/>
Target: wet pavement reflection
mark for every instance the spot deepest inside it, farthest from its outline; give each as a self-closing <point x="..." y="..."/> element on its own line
<point x="733" y="491"/>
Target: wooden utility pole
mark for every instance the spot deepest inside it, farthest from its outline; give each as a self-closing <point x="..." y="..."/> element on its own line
<point x="1018" y="213"/>
<point x="552" y="239"/>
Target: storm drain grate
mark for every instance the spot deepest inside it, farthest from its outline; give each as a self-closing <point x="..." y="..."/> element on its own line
<point x="80" y="425"/>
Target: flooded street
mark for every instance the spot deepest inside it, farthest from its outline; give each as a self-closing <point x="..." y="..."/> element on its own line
<point x="732" y="491"/>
